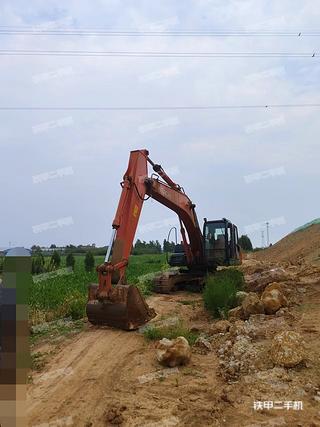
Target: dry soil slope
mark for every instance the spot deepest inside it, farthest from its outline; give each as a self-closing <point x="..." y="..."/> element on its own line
<point x="300" y="246"/>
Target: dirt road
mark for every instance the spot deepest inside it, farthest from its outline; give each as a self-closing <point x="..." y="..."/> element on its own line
<point x="103" y="377"/>
<point x="103" y="369"/>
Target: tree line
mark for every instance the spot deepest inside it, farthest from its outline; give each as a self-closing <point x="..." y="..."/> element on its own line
<point x="41" y="264"/>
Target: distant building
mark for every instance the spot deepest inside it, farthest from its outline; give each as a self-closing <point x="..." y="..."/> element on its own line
<point x="18" y="251"/>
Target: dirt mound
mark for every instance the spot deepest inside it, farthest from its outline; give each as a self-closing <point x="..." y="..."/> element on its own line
<point x="302" y="246"/>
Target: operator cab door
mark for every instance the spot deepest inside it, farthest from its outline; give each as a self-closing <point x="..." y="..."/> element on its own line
<point x="221" y="243"/>
<point x="215" y="243"/>
<point x="233" y="254"/>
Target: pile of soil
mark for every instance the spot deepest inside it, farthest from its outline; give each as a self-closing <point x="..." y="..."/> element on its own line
<point x="299" y="247"/>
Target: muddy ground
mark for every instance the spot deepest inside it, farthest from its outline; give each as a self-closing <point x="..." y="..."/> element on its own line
<point x="100" y="376"/>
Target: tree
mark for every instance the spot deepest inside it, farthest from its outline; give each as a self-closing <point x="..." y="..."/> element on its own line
<point x="35" y="248"/>
<point x="168" y="247"/>
<point x="89" y="262"/>
<point x="53" y="246"/>
<point x="70" y="261"/>
<point x="55" y="259"/>
<point x="38" y="262"/>
<point x="245" y="243"/>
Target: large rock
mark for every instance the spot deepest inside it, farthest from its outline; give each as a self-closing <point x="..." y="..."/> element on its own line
<point x="251" y="266"/>
<point x="252" y="305"/>
<point x="173" y="352"/>
<point x="282" y="287"/>
<point x="287" y="349"/>
<point x="236" y="313"/>
<point x="259" y="281"/>
<point x="273" y="299"/>
<point x="219" y="327"/>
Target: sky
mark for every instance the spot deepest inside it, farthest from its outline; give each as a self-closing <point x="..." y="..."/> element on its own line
<point x="60" y="170"/>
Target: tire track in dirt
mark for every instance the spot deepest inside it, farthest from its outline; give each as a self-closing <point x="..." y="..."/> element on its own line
<point x="93" y="362"/>
<point x="106" y="366"/>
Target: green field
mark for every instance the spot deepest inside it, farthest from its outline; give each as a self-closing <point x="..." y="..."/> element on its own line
<point x="65" y="295"/>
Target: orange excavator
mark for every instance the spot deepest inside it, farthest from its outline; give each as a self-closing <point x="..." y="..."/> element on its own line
<point x="112" y="301"/>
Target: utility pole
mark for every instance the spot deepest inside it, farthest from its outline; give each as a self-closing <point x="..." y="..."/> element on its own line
<point x="262" y="238"/>
<point x="268" y="241"/>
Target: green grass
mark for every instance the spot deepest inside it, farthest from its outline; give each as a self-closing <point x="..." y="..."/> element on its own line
<point x="65" y="295"/>
<point x="154" y="333"/>
<point x="220" y="291"/>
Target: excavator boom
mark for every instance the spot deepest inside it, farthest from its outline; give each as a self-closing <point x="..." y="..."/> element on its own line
<point x="122" y="305"/>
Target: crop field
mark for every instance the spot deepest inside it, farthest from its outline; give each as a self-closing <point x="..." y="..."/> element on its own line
<point x="64" y="293"/>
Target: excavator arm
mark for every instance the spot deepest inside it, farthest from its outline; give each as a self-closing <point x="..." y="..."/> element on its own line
<point x="136" y="185"/>
<point x="180" y="203"/>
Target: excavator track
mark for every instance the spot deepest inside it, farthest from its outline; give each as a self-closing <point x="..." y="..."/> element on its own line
<point x="173" y="280"/>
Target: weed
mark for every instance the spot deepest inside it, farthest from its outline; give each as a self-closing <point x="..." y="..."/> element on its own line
<point x="171" y="332"/>
<point x="145" y="283"/>
<point x="38" y="361"/>
<point x="188" y="302"/>
<point x="220" y="291"/>
<point x="74" y="306"/>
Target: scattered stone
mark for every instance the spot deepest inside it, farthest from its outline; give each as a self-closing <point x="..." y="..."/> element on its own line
<point x="238" y="358"/>
<point x="252" y="305"/>
<point x="287" y="349"/>
<point x="114" y="416"/>
<point x="282" y="311"/>
<point x="241" y="295"/>
<point x="220" y="327"/>
<point x="173" y="352"/>
<point x="203" y="345"/>
<point x="237" y="328"/>
<point x="236" y="313"/>
<point x="196" y="327"/>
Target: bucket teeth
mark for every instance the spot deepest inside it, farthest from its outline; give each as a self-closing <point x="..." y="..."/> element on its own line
<point x="125" y="308"/>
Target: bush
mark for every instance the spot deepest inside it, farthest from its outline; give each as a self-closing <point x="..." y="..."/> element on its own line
<point x="37" y="266"/>
<point x="55" y="260"/>
<point x="70" y="261"/>
<point x="220" y="291"/>
<point x="146" y="282"/>
<point x="74" y="306"/>
<point x="89" y="262"/>
<point x="153" y="333"/>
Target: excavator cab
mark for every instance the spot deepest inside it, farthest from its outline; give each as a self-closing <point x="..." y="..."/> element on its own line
<point x="221" y="245"/>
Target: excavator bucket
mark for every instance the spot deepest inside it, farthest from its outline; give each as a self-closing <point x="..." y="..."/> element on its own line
<point x="125" y="308"/>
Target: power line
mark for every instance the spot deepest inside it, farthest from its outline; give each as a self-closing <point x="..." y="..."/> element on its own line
<point x="36" y="31"/>
<point x="154" y="54"/>
<point x="156" y="108"/>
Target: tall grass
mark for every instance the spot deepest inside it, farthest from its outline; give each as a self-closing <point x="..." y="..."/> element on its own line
<point x="65" y="295"/>
<point x="220" y="291"/>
